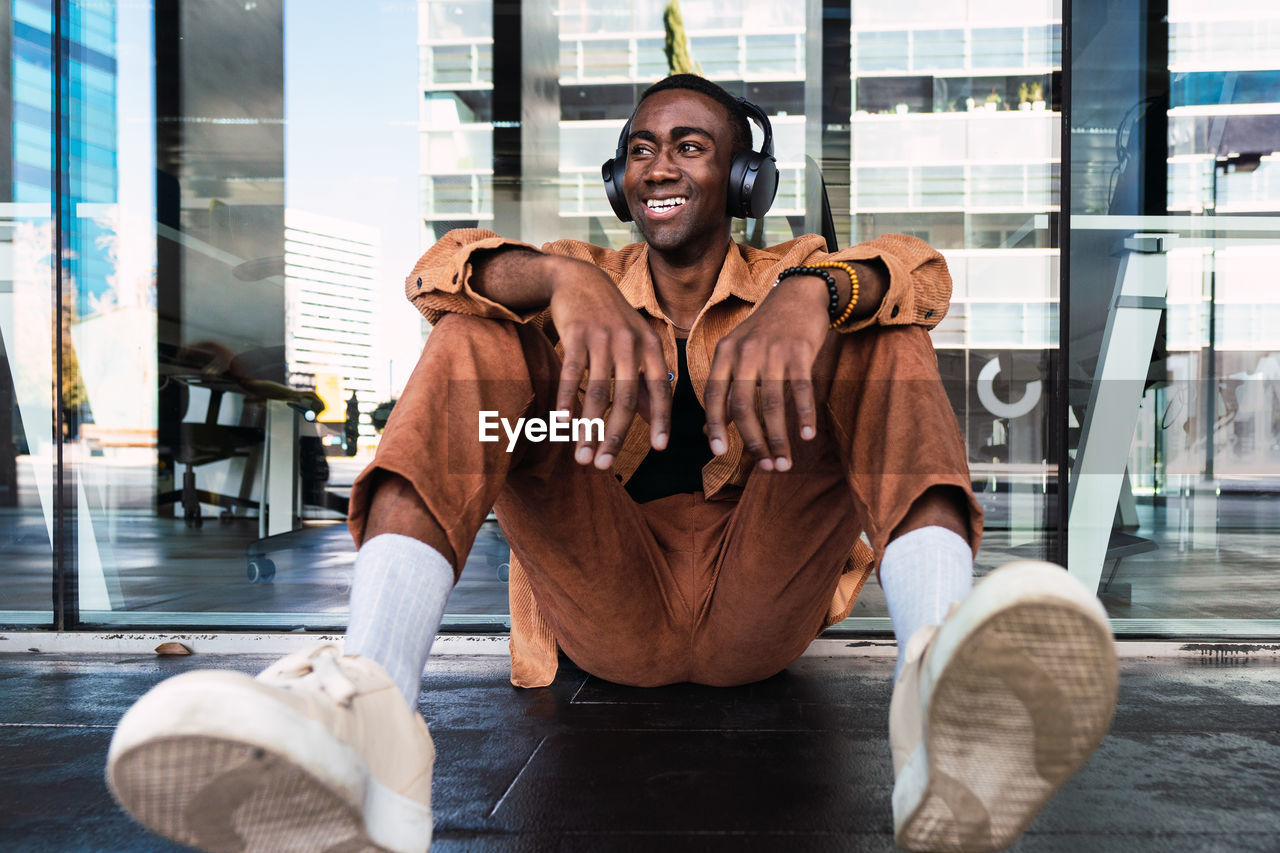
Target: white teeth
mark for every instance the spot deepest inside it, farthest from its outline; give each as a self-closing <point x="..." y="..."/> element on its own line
<point x="665" y="203"/>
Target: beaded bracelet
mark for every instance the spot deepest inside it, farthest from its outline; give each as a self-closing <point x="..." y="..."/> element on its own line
<point x="853" y="289"/>
<point x="833" y="303"/>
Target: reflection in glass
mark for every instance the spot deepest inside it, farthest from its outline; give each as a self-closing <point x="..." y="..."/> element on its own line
<point x="999" y="47"/>
<point x="938" y="49"/>
<point x="225" y="355"/>
<point x="1188" y="131"/>
<point x="227" y="359"/>
<point x="27" y="322"/>
<point x="967" y="160"/>
<point x="461" y="19"/>
<point x="876" y="50"/>
<point x="971" y="180"/>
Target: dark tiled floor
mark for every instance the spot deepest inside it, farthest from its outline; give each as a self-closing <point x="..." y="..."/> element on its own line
<point x="798" y="762"/>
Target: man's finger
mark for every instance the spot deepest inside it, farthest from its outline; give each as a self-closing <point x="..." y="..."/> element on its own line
<point x="742" y="408"/>
<point x="773" y="406"/>
<point x="575" y="364"/>
<point x="658" y="386"/>
<point x="625" y="399"/>
<point x="599" y="369"/>
<point x="716" y="396"/>
<point x="801" y="376"/>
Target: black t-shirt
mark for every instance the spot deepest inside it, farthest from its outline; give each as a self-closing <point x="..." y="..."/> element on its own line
<point x="678" y="469"/>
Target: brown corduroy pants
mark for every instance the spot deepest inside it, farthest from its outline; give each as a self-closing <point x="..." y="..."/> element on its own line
<point x="718" y="592"/>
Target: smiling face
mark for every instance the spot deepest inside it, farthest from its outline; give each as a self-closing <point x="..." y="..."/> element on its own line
<point x="677" y="174"/>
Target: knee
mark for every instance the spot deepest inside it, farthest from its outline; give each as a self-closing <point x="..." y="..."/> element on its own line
<point x="471" y="325"/>
<point x="463" y="337"/>
<point x="452" y="327"/>
<point x="494" y="347"/>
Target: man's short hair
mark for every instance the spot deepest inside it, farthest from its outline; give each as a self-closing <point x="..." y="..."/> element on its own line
<point x="693" y="83"/>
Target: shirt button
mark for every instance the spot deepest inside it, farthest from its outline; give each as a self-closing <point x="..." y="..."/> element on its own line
<point x="455" y="278"/>
<point x="894" y="312"/>
<point x="419" y="282"/>
<point x="928" y="314"/>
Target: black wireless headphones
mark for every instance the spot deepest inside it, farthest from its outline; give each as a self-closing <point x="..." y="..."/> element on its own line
<point x="753" y="176"/>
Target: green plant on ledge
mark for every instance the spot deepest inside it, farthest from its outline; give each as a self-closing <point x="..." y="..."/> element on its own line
<point x="679" y="59"/>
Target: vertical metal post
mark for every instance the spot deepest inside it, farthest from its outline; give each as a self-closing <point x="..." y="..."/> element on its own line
<point x="1058" y="404"/>
<point x="507" y="142"/>
<point x="526" y="121"/>
<point x="1133" y="318"/>
<point x="66" y="611"/>
<point x="280" y="478"/>
<point x="814" y="85"/>
<point x="1211" y="363"/>
<point x="835" y="113"/>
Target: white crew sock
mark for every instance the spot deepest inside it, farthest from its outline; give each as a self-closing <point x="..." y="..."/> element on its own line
<point x="397" y="601"/>
<point x="923" y="572"/>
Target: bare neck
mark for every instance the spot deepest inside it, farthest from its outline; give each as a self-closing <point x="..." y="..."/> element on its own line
<point x="683" y="286"/>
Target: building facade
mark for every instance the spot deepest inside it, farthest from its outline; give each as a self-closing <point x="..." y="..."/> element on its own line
<point x="330" y="269"/>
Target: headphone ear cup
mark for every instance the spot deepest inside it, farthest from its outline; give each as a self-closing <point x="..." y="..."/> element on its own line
<point x="611" y="172"/>
<point x="735" y="195"/>
<point x="753" y="185"/>
<point x="764" y="187"/>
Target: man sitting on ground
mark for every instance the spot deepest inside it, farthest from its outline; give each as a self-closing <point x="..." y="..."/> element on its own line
<point x="762" y="410"/>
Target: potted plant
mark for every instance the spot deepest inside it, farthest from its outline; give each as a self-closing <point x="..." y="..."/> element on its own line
<point x="1024" y="97"/>
<point x="1037" y="96"/>
<point x="993" y="100"/>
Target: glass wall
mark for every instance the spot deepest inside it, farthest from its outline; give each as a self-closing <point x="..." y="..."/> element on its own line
<point x="955" y="139"/>
<point x="1175" y="236"/>
<point x="33" y="318"/>
<point x="209" y="256"/>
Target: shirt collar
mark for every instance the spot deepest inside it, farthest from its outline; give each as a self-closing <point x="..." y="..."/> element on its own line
<point x="735" y="279"/>
<point x="637" y="285"/>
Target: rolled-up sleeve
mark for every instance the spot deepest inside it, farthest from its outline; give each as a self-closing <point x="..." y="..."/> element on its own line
<point x="440" y="282"/>
<point x="919" y="289"/>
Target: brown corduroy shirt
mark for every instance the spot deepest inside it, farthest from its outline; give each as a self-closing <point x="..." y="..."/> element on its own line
<point x="919" y="292"/>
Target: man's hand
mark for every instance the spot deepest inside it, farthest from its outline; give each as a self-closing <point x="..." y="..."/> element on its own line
<point x="604" y="337"/>
<point x="778" y="343"/>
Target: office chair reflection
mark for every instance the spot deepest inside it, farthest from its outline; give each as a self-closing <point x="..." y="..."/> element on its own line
<point x="212" y="367"/>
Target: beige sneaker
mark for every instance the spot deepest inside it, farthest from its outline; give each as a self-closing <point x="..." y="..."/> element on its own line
<point x="998" y="707"/>
<point x="320" y="752"/>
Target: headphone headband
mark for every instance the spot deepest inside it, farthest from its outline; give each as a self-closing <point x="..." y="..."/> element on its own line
<point x="753" y="176"/>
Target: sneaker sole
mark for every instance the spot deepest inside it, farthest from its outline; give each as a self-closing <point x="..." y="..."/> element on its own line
<point x="258" y="778"/>
<point x="1020" y="689"/>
